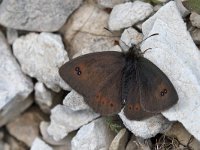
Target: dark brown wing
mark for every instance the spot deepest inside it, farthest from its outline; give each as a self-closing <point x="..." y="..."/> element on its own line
<point x="107" y="101"/>
<point x="157" y="92"/>
<point x="97" y="77"/>
<point x="133" y="109"/>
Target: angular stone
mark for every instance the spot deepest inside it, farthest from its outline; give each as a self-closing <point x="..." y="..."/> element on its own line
<point x="26" y="127"/>
<point x="95" y="136"/>
<point x="4" y="146"/>
<point x="182" y="9"/>
<point x="175" y="53"/>
<point x="40" y="56"/>
<point x="66" y="142"/>
<point x="146" y="128"/>
<point x="195" y="19"/>
<point x="11" y="35"/>
<point x="130" y="37"/>
<point x="127" y="14"/>
<point x="45" y="98"/>
<point x="88" y="22"/>
<point x="120" y="140"/>
<point x="38" y="144"/>
<point x="46" y="15"/>
<point x="15" y="87"/>
<point x="65" y="120"/>
<point x="15" y="144"/>
<point x="195" y="35"/>
<point x="183" y="136"/>
<point x="75" y="101"/>
<point x="109" y="3"/>
<point x="136" y="143"/>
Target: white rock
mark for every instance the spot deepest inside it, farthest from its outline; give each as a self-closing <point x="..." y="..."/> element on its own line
<point x="109" y="3"/>
<point x="130" y="37"/>
<point x="46" y="15"/>
<point x="48" y="139"/>
<point x="64" y="120"/>
<point x="38" y="144"/>
<point x="146" y="128"/>
<point x="127" y="14"/>
<point x="14" y="85"/>
<point x="174" y="52"/>
<point x="11" y="35"/>
<point x="43" y="97"/>
<point x="93" y="136"/>
<point x="75" y="101"/>
<point x="40" y="56"/>
<point x="88" y="22"/>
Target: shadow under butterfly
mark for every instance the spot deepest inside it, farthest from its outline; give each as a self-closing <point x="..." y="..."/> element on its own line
<point x="110" y="81"/>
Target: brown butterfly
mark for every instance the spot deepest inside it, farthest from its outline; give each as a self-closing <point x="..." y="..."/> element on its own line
<point x="111" y="80"/>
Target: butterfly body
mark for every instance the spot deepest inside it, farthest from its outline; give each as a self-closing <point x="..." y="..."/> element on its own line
<point x="110" y="81"/>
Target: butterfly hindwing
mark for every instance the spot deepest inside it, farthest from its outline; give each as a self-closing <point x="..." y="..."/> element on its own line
<point x="133" y="109"/>
<point x="157" y="91"/>
<point x="107" y="100"/>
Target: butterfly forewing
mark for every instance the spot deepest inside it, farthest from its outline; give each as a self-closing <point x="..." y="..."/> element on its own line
<point x="87" y="74"/>
<point x="157" y="92"/>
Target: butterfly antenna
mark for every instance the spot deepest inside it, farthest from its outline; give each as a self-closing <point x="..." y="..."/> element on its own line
<point x="147" y="38"/>
<point x="145" y="50"/>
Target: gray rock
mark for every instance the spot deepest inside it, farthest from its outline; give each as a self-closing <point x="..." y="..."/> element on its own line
<point x="65" y="120"/>
<point x="146" y="128"/>
<point x="136" y="143"/>
<point x="13" y="93"/>
<point x="11" y="35"/>
<point x="2" y="134"/>
<point x="46" y="15"/>
<point x="183" y="136"/>
<point x="75" y="101"/>
<point x="157" y="7"/>
<point x="26" y="127"/>
<point x="195" y="19"/>
<point x="195" y="35"/>
<point x="130" y="37"/>
<point x="175" y="53"/>
<point x="45" y="98"/>
<point x="4" y="146"/>
<point x="120" y="140"/>
<point x="109" y="3"/>
<point x="66" y="142"/>
<point x="15" y="144"/>
<point x="88" y="22"/>
<point x="40" y="56"/>
<point x="95" y="136"/>
<point x="127" y="14"/>
<point x="9" y="112"/>
<point x="182" y="9"/>
<point x="39" y="144"/>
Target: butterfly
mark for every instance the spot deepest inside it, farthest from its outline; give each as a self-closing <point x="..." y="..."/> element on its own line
<point x="111" y="80"/>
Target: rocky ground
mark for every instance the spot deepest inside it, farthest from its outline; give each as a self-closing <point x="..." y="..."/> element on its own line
<point x="39" y="111"/>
